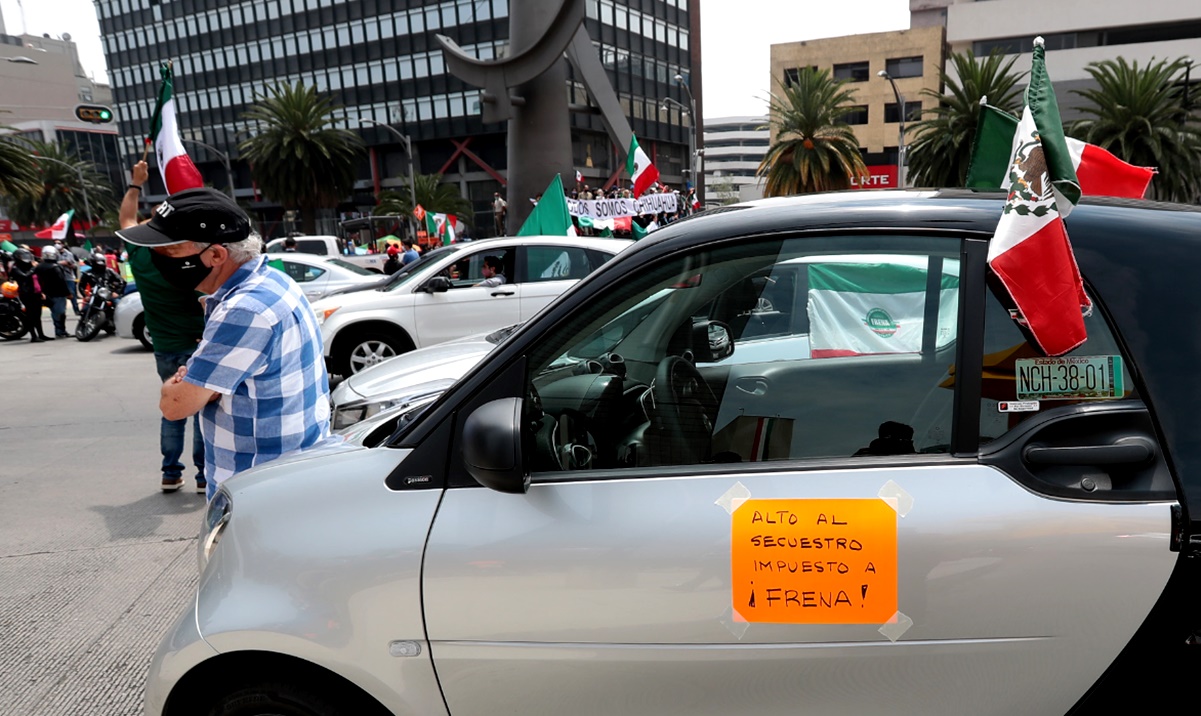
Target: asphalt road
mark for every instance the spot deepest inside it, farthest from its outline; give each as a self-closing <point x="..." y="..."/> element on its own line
<point x="95" y="561"/>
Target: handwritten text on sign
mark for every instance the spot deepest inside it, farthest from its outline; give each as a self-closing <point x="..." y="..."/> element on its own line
<point x="815" y="561"/>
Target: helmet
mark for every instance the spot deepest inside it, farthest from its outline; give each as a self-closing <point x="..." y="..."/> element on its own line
<point x="23" y="256"/>
<point x="50" y="253"/>
<point x="97" y="262"/>
<point x="9" y="289"/>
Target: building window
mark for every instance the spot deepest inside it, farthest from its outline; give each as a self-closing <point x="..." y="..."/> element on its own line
<point x="792" y="75"/>
<point x="852" y="71"/>
<point x="913" y="112"/>
<point x="856" y="115"/>
<point x="904" y="67"/>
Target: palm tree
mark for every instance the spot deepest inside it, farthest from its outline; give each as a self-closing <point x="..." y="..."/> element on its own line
<point x="814" y="149"/>
<point x="18" y="176"/>
<point x="942" y="146"/>
<point x="1138" y="114"/>
<point x="59" y="188"/>
<point x="432" y="194"/>
<point x="298" y="157"/>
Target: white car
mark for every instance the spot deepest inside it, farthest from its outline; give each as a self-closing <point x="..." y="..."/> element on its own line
<point x="318" y="275"/>
<point x="443" y="301"/>
<point x="130" y="321"/>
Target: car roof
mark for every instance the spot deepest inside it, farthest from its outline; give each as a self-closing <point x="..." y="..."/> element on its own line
<point x="588" y="242"/>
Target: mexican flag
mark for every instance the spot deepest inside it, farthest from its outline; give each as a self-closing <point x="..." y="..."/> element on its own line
<point x="873" y="308"/>
<point x="644" y="174"/>
<point x="1100" y="173"/>
<point x="550" y="216"/>
<point x="178" y="171"/>
<point x="444" y="225"/>
<point x="60" y="229"/>
<point x="1030" y="252"/>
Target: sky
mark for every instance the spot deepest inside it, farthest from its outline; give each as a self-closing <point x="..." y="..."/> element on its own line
<point x="735" y="38"/>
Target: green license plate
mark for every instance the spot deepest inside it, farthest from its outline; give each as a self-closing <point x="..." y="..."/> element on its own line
<point x="1069" y="378"/>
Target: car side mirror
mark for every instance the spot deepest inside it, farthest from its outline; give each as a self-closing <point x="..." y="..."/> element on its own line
<point x="437" y="284"/>
<point x="492" y="446"/>
<point x="711" y="341"/>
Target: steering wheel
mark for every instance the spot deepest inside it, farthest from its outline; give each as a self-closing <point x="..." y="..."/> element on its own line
<point x="683" y="406"/>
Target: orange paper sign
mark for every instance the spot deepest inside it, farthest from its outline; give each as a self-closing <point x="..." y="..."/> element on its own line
<point x="814" y="561"/>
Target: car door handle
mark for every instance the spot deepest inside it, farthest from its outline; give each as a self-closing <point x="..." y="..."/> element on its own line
<point x="1129" y="451"/>
<point x="503" y="293"/>
<point x="752" y="386"/>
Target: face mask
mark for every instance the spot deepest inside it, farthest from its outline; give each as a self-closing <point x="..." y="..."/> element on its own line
<point x="184" y="272"/>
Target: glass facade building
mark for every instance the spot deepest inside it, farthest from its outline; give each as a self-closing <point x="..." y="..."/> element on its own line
<point x="380" y="61"/>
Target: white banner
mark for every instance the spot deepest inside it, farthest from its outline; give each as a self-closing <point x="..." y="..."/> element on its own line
<point x="611" y="208"/>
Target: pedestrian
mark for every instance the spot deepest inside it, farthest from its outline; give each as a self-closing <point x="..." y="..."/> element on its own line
<point x="70" y="267"/>
<point x="54" y="289"/>
<point x="175" y="319"/>
<point x="500" y="210"/>
<point x="410" y="254"/>
<point x="30" y="292"/>
<point x="392" y="265"/>
<point x="257" y="378"/>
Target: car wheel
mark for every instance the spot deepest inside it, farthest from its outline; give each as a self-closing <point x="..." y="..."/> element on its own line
<point x="363" y="350"/>
<point x="272" y="699"/>
<point x="142" y="333"/>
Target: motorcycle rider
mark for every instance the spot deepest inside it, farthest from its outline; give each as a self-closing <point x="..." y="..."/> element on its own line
<point x="23" y="273"/>
<point x="54" y="289"/>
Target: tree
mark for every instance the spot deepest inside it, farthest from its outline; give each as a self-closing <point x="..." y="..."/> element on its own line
<point x="297" y="157"/>
<point x="814" y="149"/>
<point x="432" y="194"/>
<point x="942" y="144"/>
<point x="59" y="188"/>
<point x="18" y="176"/>
<point x="1138" y="113"/>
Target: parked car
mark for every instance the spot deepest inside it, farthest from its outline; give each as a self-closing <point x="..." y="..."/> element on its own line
<point x="131" y="321"/>
<point x="317" y="275"/>
<point x="442" y="300"/>
<point x="329" y="247"/>
<point x="611" y="513"/>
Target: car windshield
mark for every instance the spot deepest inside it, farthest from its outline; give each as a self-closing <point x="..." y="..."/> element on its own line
<point x="605" y="338"/>
<point x="351" y="267"/>
<point x="410" y="270"/>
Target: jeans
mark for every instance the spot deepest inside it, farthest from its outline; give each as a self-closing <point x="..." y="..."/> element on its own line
<point x="171" y="432"/>
<point x="73" y="287"/>
<point x="58" y="314"/>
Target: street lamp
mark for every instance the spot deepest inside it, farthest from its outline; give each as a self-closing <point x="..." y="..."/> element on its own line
<point x="404" y="139"/>
<point x="229" y="175"/>
<point x="692" y="148"/>
<point x="901" y="134"/>
<point x="87" y="209"/>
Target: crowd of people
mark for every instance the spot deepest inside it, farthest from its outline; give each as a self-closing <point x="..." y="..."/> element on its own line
<point x="54" y="277"/>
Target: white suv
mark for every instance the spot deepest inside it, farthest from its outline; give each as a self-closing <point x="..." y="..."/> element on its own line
<point x="441" y="301"/>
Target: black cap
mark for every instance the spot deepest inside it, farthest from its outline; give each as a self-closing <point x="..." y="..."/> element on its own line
<point x="203" y="215"/>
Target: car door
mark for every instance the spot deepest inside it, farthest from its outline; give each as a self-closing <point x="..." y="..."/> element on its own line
<point x="467" y="308"/>
<point x="661" y="563"/>
<point x="548" y="270"/>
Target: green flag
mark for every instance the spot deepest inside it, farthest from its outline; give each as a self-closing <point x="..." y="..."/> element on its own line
<point x="277" y="264"/>
<point x="7" y="245"/>
<point x="550" y="217"/>
<point x="87" y="245"/>
<point x="638" y="230"/>
<point x="1044" y="108"/>
<point x="991" y="148"/>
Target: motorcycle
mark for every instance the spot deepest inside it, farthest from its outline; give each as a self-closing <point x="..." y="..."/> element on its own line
<point x="12" y="318"/>
<point x="98" y="311"/>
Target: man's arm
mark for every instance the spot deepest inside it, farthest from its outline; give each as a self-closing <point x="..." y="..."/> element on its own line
<point x="180" y="399"/>
<point x="128" y="215"/>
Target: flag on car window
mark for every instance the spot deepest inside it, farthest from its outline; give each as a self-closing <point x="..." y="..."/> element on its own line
<point x="1030" y="253"/>
<point x="1100" y="172"/>
<point x="874" y="308"/>
<point x="176" y="167"/>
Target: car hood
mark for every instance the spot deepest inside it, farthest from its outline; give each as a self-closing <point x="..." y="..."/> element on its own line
<point x="442" y="363"/>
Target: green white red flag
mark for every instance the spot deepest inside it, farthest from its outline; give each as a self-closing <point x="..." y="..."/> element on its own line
<point x="1100" y="172"/>
<point x="60" y="229"/>
<point x="178" y="171"/>
<point x="550" y="216"/>
<point x="642" y="171"/>
<point x="1030" y="252"/>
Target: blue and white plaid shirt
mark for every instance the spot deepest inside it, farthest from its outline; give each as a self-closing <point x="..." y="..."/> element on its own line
<point x="262" y="353"/>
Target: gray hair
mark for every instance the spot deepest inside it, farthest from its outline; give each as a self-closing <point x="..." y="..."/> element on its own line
<point x="242" y="251"/>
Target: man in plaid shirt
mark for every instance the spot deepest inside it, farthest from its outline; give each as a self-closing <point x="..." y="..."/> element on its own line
<point x="257" y="378"/>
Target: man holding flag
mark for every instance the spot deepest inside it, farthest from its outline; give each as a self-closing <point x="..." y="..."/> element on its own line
<point x="1030" y="253"/>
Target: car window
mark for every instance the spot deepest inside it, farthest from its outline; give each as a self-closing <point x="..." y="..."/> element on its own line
<point x="661" y="373"/>
<point x="469" y="270"/>
<point x="353" y="268"/>
<point x="311" y="246"/>
<point x="556" y="263"/>
<point x="408" y="271"/>
<point x="1018" y="383"/>
<point x="302" y="273"/>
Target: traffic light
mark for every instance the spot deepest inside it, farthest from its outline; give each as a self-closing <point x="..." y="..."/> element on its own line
<point x="94" y="113"/>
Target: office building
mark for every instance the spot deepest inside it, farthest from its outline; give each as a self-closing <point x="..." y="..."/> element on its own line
<point x="913" y="58"/>
<point x="734" y="147"/>
<point x="379" y="59"/>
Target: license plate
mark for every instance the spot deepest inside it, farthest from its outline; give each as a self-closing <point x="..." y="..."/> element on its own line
<point x="1069" y="378"/>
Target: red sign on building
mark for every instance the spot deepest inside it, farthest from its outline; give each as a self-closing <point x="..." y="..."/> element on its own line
<point x="880" y="176"/>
